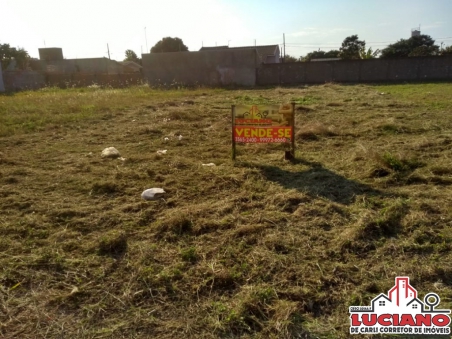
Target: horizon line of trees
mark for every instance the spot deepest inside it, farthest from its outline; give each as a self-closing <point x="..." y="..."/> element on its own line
<point x="353" y="49"/>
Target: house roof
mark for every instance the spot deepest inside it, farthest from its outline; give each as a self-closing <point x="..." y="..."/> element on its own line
<point x="82" y="60"/>
<point x="326" y="59"/>
<point x="415" y="300"/>
<point x="213" y="48"/>
<point x="130" y="63"/>
<point x="381" y="295"/>
<point x="263" y="50"/>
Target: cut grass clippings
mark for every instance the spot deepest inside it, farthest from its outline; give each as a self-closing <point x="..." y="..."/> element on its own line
<point x="259" y="248"/>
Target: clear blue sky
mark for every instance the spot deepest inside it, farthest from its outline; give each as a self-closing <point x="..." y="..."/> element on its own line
<point x="83" y="28"/>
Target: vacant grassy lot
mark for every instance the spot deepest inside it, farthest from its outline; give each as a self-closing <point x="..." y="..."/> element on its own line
<point x="259" y="248"/>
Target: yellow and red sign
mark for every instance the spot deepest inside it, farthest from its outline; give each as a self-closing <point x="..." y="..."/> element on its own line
<point x="262" y="134"/>
<point x="263" y="124"/>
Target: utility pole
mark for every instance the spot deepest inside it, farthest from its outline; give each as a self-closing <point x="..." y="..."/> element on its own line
<point x="108" y="49"/>
<point x="284" y="43"/>
<point x="254" y="42"/>
<point x="146" y="37"/>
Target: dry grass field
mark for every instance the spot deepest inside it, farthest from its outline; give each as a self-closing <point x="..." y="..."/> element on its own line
<point x="256" y="248"/>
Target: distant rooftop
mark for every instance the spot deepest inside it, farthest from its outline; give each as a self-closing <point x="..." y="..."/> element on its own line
<point x="326" y="59"/>
<point x="262" y="49"/>
<point x="130" y="63"/>
<point x="266" y="53"/>
<point x="213" y="48"/>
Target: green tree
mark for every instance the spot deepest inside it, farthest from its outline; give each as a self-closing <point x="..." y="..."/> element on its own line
<point x="446" y="51"/>
<point x="169" y="44"/>
<point x="422" y="45"/>
<point x="369" y="54"/>
<point x="289" y="58"/>
<point x="421" y="51"/>
<point x="351" y="46"/>
<point x="321" y="55"/>
<point x="132" y="56"/>
<point x="8" y="53"/>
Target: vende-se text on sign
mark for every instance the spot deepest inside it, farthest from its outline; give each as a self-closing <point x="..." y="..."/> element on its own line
<point x="262" y="134"/>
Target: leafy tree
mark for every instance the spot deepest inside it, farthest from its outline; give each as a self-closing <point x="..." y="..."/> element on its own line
<point x="132" y="56"/>
<point x="289" y="58"/>
<point x="321" y="55"/>
<point x="369" y="54"/>
<point x="169" y="44"/>
<point x="446" y="51"/>
<point x="421" y="51"/>
<point x="351" y="46"/>
<point x="8" y="53"/>
<point x="422" y="45"/>
<point x="22" y="58"/>
<point x="334" y="53"/>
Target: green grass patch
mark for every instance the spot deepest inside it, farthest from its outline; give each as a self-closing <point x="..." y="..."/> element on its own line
<point x="257" y="248"/>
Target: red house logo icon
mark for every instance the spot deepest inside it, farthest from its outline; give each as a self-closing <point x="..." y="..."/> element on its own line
<point x="400" y="312"/>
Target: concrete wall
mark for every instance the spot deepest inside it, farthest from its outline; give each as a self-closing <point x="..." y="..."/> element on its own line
<point x="19" y="80"/>
<point x="22" y="80"/>
<point x="211" y="68"/>
<point x="241" y="67"/>
<point x="374" y="70"/>
<point x="64" y="80"/>
<point x="91" y="65"/>
<point x="2" y="86"/>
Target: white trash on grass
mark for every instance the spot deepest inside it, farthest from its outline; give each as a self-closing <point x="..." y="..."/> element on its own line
<point x="152" y="193"/>
<point x="110" y="152"/>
